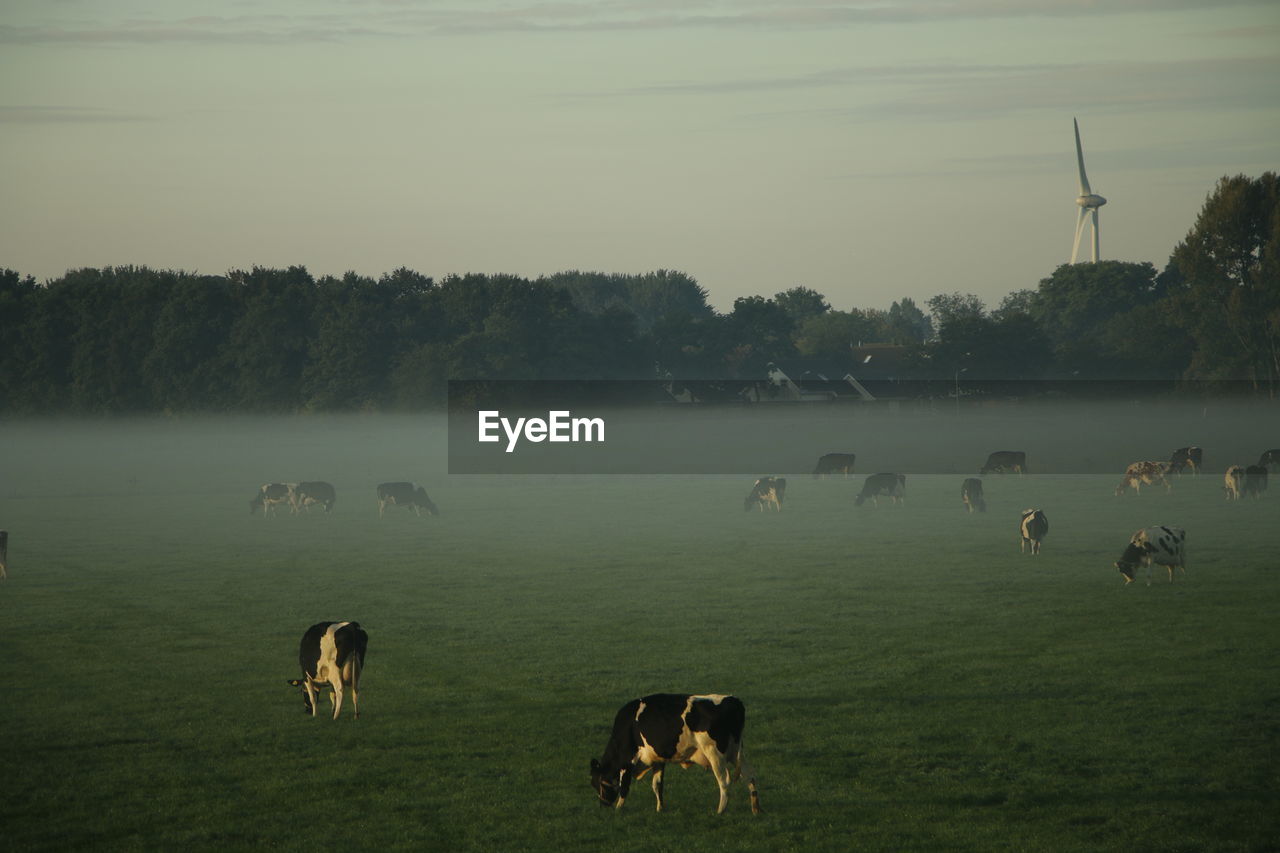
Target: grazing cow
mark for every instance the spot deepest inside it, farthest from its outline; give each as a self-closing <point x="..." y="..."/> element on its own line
<point x="1164" y="545"/>
<point x="1270" y="459"/>
<point x="4" y="554"/>
<point x="1186" y="457"/>
<point x="315" y="492"/>
<point x="333" y="653"/>
<point x="1151" y="473"/>
<point x="1004" y="461"/>
<point x="766" y="491"/>
<point x="408" y="495"/>
<point x="971" y="494"/>
<point x="1255" y="481"/>
<point x="834" y="463"/>
<point x="892" y="486"/>
<point x="270" y="495"/>
<point x="1034" y="527"/>
<point x="1233" y="483"/>
<point x="648" y="733"/>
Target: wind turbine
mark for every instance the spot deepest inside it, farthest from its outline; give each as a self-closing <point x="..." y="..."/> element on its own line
<point x="1088" y="201"/>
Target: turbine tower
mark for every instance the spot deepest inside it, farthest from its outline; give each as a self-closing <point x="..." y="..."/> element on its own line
<point x="1088" y="201"/>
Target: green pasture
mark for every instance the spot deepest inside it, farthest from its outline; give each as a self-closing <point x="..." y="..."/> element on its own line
<point x="912" y="681"/>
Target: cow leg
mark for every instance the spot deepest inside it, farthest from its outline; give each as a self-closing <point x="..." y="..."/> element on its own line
<point x="658" y="785"/>
<point x="336" y="698"/>
<point x="746" y="770"/>
<point x="311" y="694"/>
<point x="716" y="763"/>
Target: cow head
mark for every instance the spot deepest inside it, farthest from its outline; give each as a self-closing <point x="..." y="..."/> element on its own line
<point x="255" y="504"/>
<point x="607" y="789"/>
<point x="1129" y="561"/>
<point x="306" y="698"/>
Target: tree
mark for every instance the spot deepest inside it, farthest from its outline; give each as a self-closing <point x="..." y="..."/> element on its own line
<point x="907" y="324"/>
<point x="1226" y="278"/>
<point x="951" y="307"/>
<point x="801" y="303"/>
<point x="832" y="334"/>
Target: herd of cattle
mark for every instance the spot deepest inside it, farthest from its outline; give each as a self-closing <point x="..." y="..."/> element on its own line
<point x="301" y="497"/>
<point x="1164" y="546"/>
<point x="663" y="728"/>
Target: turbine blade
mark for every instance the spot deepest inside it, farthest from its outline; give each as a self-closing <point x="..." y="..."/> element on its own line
<point x="1075" y="248"/>
<point x="1084" y="181"/>
<point x="1095" y="234"/>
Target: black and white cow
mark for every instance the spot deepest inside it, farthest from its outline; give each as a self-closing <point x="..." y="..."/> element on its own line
<point x="971" y="494"/>
<point x="892" y="486"/>
<point x="1186" y="457"/>
<point x="1255" y="481"/>
<point x="271" y="495"/>
<point x="1164" y="545"/>
<point x="1270" y="459"/>
<point x="1233" y="483"/>
<point x="834" y="463"/>
<point x="4" y="554"/>
<point x="332" y="653"/>
<point x="766" y="491"/>
<point x="1005" y="461"/>
<point x="1034" y="527"/>
<point x="408" y="495"/>
<point x="314" y="492"/>
<point x="677" y="728"/>
<point x="1137" y="473"/>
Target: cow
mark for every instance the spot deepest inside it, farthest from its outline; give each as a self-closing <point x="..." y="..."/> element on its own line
<point x="766" y="491"/>
<point x="1270" y="459"/>
<point x="4" y="554"/>
<point x="834" y="463"/>
<point x="663" y="728"/>
<point x="270" y="495"/>
<point x="1186" y="457"/>
<point x="1151" y="473"/>
<point x="1164" y="545"/>
<point x="1233" y="483"/>
<point x="1255" y="481"/>
<point x="314" y="492"/>
<point x="333" y="653"/>
<point x="1004" y="461"/>
<point x="892" y="486"/>
<point x="971" y="494"/>
<point x="1034" y="527"/>
<point x="408" y="495"/>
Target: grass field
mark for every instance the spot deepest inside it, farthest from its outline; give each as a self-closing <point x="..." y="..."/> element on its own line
<point x="912" y="681"/>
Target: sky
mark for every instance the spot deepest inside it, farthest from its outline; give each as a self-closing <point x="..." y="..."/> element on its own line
<point x="868" y="150"/>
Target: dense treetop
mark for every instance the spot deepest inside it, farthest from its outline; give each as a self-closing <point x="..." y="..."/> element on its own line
<point x="135" y="339"/>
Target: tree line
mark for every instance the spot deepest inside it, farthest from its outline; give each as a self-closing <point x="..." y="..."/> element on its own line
<point x="135" y="339"/>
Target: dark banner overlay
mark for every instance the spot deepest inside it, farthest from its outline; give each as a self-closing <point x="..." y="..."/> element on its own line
<point x="754" y="429"/>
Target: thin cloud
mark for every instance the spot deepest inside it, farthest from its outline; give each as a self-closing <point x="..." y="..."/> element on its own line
<point x="396" y="18"/>
<point x="40" y="114"/>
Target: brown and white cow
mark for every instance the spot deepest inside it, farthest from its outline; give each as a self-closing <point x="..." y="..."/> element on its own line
<point x="1166" y="546"/>
<point x="332" y="653"/>
<point x="1186" y="457"/>
<point x="408" y="495"/>
<point x="834" y="463"/>
<point x="1151" y="473"/>
<point x="271" y="495"/>
<point x="971" y="494"/>
<point x="1233" y="483"/>
<point x="1033" y="528"/>
<point x="674" y="728"/>
<point x="1255" y="481"/>
<point x="314" y="492"/>
<point x="1005" y="461"/>
<point x="892" y="486"/>
<point x="766" y="491"/>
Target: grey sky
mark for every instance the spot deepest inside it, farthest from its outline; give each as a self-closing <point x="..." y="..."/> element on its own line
<point x="870" y="150"/>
